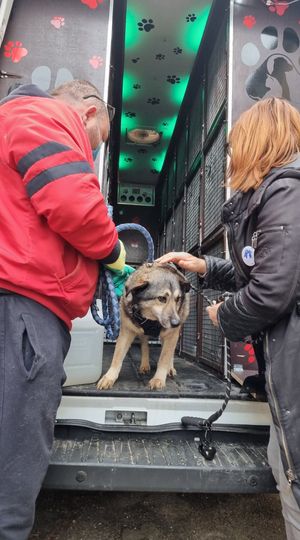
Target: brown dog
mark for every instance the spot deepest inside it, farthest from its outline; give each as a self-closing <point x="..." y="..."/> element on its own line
<point x="156" y="303"/>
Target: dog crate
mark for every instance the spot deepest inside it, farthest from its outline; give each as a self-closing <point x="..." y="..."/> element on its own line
<point x="214" y="182"/>
<point x="190" y="329"/>
<point x="161" y="244"/>
<point x="211" y="340"/>
<point x="195" y="128"/>
<point x="181" y="163"/>
<point x="192" y="223"/>
<point x="170" y="235"/>
<point x="179" y="226"/>
<point x="216" y="77"/>
<point x="171" y="185"/>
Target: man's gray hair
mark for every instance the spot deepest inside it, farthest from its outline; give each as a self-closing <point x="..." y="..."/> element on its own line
<point x="80" y="90"/>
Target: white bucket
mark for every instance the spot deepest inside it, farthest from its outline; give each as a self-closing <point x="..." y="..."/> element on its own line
<point x="83" y="363"/>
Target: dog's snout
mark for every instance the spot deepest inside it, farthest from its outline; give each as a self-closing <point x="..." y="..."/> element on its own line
<point x="175" y="322"/>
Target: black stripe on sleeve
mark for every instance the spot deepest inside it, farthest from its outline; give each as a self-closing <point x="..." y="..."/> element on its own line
<point x="114" y="254"/>
<point x="55" y="173"/>
<point x="44" y="150"/>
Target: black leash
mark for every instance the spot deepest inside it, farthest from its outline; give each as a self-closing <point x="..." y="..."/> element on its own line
<point x="206" y="448"/>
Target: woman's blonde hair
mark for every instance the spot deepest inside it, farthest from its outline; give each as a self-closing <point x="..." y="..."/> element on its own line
<point x="265" y="136"/>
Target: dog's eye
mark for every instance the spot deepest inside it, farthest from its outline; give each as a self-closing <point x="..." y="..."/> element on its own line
<point x="162" y="299"/>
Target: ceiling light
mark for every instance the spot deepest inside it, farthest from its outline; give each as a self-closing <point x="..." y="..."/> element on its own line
<point x="143" y="136"/>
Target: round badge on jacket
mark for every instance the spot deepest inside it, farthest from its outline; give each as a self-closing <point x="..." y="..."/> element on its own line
<point x="248" y="255"/>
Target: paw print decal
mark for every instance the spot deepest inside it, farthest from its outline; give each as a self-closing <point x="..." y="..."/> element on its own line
<point x="191" y="17"/>
<point x="279" y="7"/>
<point x="271" y="76"/>
<point x="136" y="86"/>
<point x="57" y="22"/>
<point x="146" y="25"/>
<point x="130" y="114"/>
<point x="96" y="61"/>
<point x="177" y="50"/>
<point x="135" y="60"/>
<point x="173" y="79"/>
<point x="142" y="151"/>
<point x="160" y="57"/>
<point x="249" y="350"/>
<point x="92" y="4"/>
<point x="154" y="101"/>
<point x="249" y="21"/>
<point x="15" y="51"/>
<point x="128" y="159"/>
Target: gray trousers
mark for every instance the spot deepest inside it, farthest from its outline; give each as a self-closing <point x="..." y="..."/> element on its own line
<point x="290" y="508"/>
<point x="33" y="345"/>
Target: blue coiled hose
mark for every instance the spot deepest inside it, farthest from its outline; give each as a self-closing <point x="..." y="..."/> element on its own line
<point x="110" y="304"/>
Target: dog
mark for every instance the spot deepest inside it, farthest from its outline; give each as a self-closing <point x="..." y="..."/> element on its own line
<point x="155" y="302"/>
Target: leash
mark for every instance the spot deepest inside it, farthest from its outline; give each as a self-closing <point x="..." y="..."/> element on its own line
<point x="110" y="303"/>
<point x="205" y="447"/>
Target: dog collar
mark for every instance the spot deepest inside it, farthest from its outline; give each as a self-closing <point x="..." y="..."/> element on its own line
<point x="151" y="328"/>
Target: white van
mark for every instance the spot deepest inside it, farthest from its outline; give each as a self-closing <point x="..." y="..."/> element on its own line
<point x="178" y="74"/>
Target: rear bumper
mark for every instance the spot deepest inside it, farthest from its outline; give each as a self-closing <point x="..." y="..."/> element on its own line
<point x="86" y="459"/>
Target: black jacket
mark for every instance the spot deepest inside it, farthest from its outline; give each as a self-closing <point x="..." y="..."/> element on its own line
<point x="267" y="295"/>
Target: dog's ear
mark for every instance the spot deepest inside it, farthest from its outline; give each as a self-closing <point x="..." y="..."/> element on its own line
<point x="184" y="283"/>
<point x="185" y="286"/>
<point x="137" y="287"/>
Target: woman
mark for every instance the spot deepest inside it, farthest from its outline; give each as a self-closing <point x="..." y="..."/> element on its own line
<point x="262" y="220"/>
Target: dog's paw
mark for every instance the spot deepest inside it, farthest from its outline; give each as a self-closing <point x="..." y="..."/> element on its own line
<point x="172" y="372"/>
<point x="156" y="384"/>
<point x="144" y="368"/>
<point x="105" y="383"/>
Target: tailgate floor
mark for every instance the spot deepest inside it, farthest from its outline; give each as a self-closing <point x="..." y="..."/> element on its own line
<point x="192" y="379"/>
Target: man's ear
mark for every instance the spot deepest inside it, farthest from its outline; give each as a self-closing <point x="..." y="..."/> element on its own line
<point x="89" y="112"/>
<point x="136" y="288"/>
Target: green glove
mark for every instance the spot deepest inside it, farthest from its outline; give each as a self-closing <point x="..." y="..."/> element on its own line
<point x="119" y="278"/>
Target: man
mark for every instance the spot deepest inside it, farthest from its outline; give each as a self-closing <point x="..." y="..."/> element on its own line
<point x="54" y="231"/>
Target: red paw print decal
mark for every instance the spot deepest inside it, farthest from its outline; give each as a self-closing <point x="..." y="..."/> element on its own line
<point x="249" y="21"/>
<point x="92" y="4"/>
<point x="15" y="50"/>
<point x="96" y="61"/>
<point x="248" y="348"/>
<point x="58" y="22"/>
<point x="279" y="7"/>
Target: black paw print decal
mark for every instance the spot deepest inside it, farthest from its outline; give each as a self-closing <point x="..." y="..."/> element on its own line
<point x="137" y="86"/>
<point x="146" y="25"/>
<point x="177" y="50"/>
<point x="160" y="56"/>
<point x="128" y="159"/>
<point x="154" y="171"/>
<point x="135" y="60"/>
<point x="154" y="159"/>
<point x="191" y="17"/>
<point x="142" y="151"/>
<point x="173" y="79"/>
<point x="130" y="114"/>
<point x="271" y="77"/>
<point x="165" y="124"/>
<point x="154" y="101"/>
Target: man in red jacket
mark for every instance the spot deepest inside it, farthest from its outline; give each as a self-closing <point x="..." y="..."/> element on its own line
<point x="54" y="231"/>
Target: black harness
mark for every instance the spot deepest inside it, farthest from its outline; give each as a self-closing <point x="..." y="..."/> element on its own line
<point x="151" y="328"/>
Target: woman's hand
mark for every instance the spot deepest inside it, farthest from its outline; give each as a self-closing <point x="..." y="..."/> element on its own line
<point x="185" y="261"/>
<point x="212" y="312"/>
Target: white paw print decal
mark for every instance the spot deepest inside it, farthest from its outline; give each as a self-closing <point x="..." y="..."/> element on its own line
<point x="271" y="76"/>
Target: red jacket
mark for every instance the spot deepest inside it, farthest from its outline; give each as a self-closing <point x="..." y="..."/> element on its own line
<point x="54" y="222"/>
